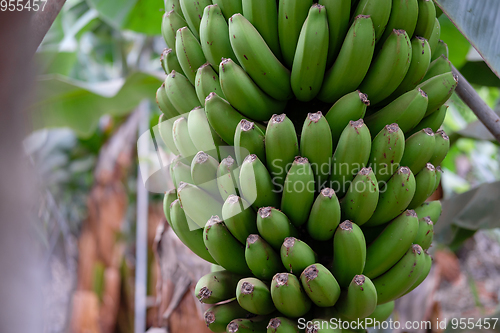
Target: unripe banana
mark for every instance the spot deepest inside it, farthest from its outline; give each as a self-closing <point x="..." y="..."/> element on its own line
<point x="250" y="325"/>
<point x="281" y="147"/>
<point x="360" y="300"/>
<point x="291" y="17"/>
<point x="282" y="325"/>
<point x="182" y="139"/>
<point x="216" y="268"/>
<point x="172" y="21"/>
<point x="193" y="12"/>
<point x="379" y="11"/>
<point x="389" y="67"/>
<point x="338" y="12"/>
<point x="202" y="134"/>
<point x="439" y="173"/>
<point x="261" y="258"/>
<point x="425" y="272"/>
<point x="288" y="296"/>
<point x="371" y="233"/>
<point x="390" y="246"/>
<point x="214" y="36"/>
<point x="255" y="296"/>
<point x="219" y="316"/>
<point x="309" y="63"/>
<point x="352" y="63"/>
<point x="397" y="280"/>
<point x="382" y="313"/>
<point x="349" y="253"/>
<point x="191" y="57"/>
<point x="432" y="209"/>
<point x="320" y="285"/>
<point x="439" y="89"/>
<point x="193" y="239"/>
<point x="169" y="62"/>
<point x="256" y="185"/>
<point x="204" y="173"/>
<point x="404" y="15"/>
<point x="441" y="49"/>
<point x="426" y="19"/>
<point x="169" y="197"/>
<point x="296" y="255"/>
<point x="274" y="226"/>
<point x="165" y="130"/>
<point x="325" y="215"/>
<point x="387" y="150"/>
<point x="198" y="204"/>
<point x="425" y="182"/>
<point x="394" y="197"/>
<point x="439" y="66"/>
<point x="227" y="178"/>
<point x="181" y="92"/>
<point x="435" y="35"/>
<point x="441" y="148"/>
<point x="216" y="287"/>
<point x="263" y="16"/>
<point x="316" y="145"/>
<point x="206" y="82"/>
<point x="298" y="191"/>
<point x="229" y="7"/>
<point x="258" y="60"/>
<point x="239" y="218"/>
<point x="418" y="150"/>
<point x="349" y="107"/>
<point x="249" y="139"/>
<point x="246" y="96"/>
<point x="351" y="155"/>
<point x="180" y="172"/>
<point x="425" y="233"/>
<point x="407" y="111"/>
<point x="361" y="198"/>
<point x="224" y="248"/>
<point x="432" y="121"/>
<point x="173" y="5"/>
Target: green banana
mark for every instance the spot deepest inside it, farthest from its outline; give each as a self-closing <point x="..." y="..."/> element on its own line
<point x="296" y="255"/>
<point x="258" y="60"/>
<point x="382" y="313"/>
<point x="379" y="11"/>
<point x="394" y="197"/>
<point x="352" y="63"/>
<point x="432" y="209"/>
<point x="173" y="5"/>
<point x="244" y="94"/>
<point x="204" y="173"/>
<point x="389" y="67"/>
<point x="439" y="66"/>
<point x="191" y="57"/>
<point x="387" y="150"/>
<point x="169" y="62"/>
<point x="248" y="325"/>
<point x="349" y="253"/>
<point x="181" y="172"/>
<point x="274" y="226"/>
<point x="206" y="82"/>
<point x="360" y="300"/>
<point x="404" y="15"/>
<point x="291" y="17"/>
<point x="361" y="198"/>
<point x="418" y="150"/>
<point x="199" y="205"/>
<point x="407" y="111"/>
<point x="288" y="296"/>
<point x="325" y="215"/>
<point x="338" y="12"/>
<point x="193" y="12"/>
<point x="432" y="121"/>
<point x="298" y="191"/>
<point x="224" y="248"/>
<point x="371" y="233"/>
<point x="282" y="325"/>
<point x="229" y="7"/>
<point x="426" y="269"/>
<point x="436" y="34"/>
<point x="219" y="316"/>
<point x="216" y="287"/>
<point x="227" y="178"/>
<point x="425" y="233"/>
<point x="166" y="107"/>
<point x="256" y="185"/>
<point x="181" y="92"/>
<point x="263" y="16"/>
<point x="216" y="268"/>
<point x="439" y="89"/>
<point x="281" y="147"/>
<point x="425" y="182"/>
<point x="255" y="296"/>
<point x="351" y="154"/>
<point x="397" y="280"/>
<point x="320" y="285"/>
<point x="169" y="197"/>
<point x="248" y="139"/>
<point x="349" y="107"/>
<point x="441" y="148"/>
<point x="441" y="49"/>
<point x="309" y="62"/>
<point x="182" y="139"/>
<point x="193" y="239"/>
<point x="165" y="130"/>
<point x="426" y="19"/>
<point x="172" y="21"/>
<point x="317" y="146"/>
<point x="439" y="173"/>
<point x="240" y="219"/>
<point x="392" y="243"/>
<point x="202" y="135"/>
<point x="214" y="36"/>
<point x="261" y="258"/>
